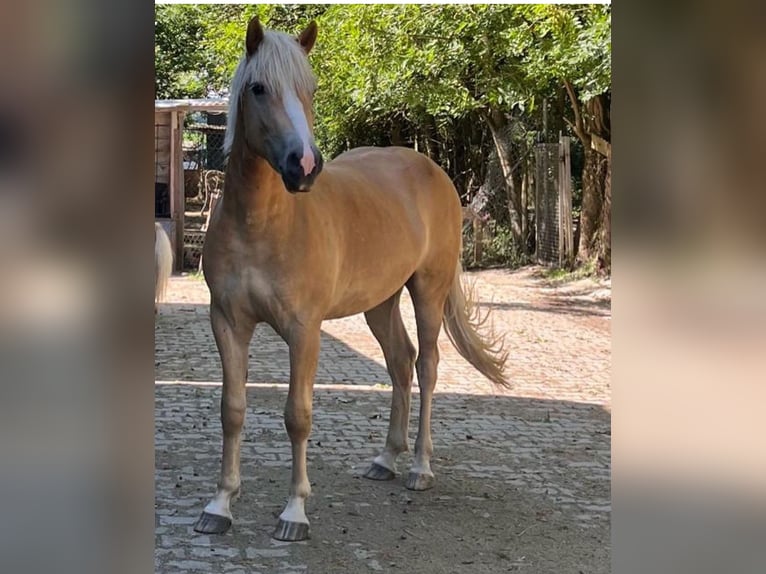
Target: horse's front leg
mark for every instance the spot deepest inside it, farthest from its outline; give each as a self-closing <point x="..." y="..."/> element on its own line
<point x="293" y="524"/>
<point x="233" y="341"/>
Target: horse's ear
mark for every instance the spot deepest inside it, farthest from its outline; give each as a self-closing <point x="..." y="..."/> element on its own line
<point x="254" y="36"/>
<point x="308" y="37"/>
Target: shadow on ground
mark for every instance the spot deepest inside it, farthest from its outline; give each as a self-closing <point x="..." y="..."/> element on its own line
<point x="580" y="307"/>
<point x="520" y="482"/>
<point x="187" y="352"/>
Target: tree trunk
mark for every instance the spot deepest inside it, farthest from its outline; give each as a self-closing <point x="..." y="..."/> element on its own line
<point x="430" y="140"/>
<point x="396" y="132"/>
<point x="529" y="239"/>
<point x="593" y="123"/>
<point x="524" y="199"/>
<point x="605" y="261"/>
<point x="591" y="219"/>
<point x="499" y="128"/>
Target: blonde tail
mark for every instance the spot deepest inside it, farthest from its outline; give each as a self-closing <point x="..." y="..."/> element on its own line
<point x="462" y="321"/>
<point x="163" y="262"/>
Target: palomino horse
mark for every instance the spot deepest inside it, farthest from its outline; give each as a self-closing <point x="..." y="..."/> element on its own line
<point x="371" y="222"/>
<point x="163" y="263"/>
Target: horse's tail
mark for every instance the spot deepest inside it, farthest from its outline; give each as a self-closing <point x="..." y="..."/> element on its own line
<point x="462" y="321"/>
<point x="163" y="262"/>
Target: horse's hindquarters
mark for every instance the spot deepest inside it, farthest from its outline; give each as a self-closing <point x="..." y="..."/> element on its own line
<point x="395" y="212"/>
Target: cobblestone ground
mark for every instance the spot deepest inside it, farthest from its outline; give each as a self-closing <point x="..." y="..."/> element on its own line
<point x="522" y="475"/>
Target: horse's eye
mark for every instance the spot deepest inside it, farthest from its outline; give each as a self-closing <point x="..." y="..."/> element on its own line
<point x="258" y="89"/>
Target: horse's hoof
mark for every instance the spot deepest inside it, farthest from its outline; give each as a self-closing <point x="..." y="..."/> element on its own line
<point x="212" y="524"/>
<point x="291" y="531"/>
<point x="378" y="472"/>
<point x="417" y="481"/>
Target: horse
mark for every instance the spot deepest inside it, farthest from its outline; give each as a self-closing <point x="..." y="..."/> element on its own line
<point x="163" y="263"/>
<point x="295" y="241"/>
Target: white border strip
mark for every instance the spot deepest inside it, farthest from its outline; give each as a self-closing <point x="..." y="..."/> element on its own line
<point x="285" y="386"/>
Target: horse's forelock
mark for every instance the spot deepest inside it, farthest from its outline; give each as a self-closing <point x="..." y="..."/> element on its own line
<point x="281" y="65"/>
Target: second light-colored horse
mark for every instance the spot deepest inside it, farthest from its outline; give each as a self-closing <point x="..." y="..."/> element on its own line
<point x="163" y="263"/>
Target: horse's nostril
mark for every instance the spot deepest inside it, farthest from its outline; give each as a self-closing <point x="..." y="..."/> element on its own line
<point x="293" y="158"/>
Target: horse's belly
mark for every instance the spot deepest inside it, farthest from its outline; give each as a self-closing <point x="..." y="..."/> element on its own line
<point x="354" y="306"/>
<point x="365" y="292"/>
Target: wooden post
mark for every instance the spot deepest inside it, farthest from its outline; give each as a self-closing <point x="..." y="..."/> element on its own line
<point x="566" y="237"/>
<point x="162" y="139"/>
<point x="524" y="186"/>
<point x="538" y="192"/>
<point x="177" y="199"/>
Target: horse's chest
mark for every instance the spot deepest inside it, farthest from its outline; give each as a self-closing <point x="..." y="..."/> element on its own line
<point x="261" y="289"/>
<point x="270" y="297"/>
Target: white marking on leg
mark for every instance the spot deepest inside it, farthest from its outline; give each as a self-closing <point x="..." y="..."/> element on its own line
<point x="421" y="467"/>
<point x="294" y="511"/>
<point x="297" y="115"/>
<point x="386" y="459"/>
<point x="220" y="505"/>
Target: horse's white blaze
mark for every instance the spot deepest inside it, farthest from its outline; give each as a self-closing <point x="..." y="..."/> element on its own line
<point x="297" y="115"/>
<point x="294" y="511"/>
<point x="220" y="505"/>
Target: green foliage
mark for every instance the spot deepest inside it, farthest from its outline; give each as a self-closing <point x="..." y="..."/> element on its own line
<point x="197" y="47"/>
<point x="418" y="62"/>
<point x="179" y="68"/>
<point x="424" y="75"/>
<point x="498" y="248"/>
<point x="560" y="275"/>
<point x="573" y="43"/>
<point x="377" y="61"/>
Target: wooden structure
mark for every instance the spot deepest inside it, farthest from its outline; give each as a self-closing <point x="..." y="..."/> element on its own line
<point x="170" y="202"/>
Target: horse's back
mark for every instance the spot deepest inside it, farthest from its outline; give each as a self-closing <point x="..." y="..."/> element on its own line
<point x="371" y="173"/>
<point x="389" y="162"/>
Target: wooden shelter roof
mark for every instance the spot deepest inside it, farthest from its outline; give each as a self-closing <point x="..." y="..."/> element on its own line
<point x="198" y="105"/>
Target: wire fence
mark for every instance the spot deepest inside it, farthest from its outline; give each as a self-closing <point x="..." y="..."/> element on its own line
<point x="203" y="164"/>
<point x="487" y="238"/>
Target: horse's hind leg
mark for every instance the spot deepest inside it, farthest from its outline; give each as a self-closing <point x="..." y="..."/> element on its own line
<point x="428" y="297"/>
<point x="233" y="342"/>
<point x="385" y="322"/>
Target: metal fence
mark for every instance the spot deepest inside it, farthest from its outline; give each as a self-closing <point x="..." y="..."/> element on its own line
<point x="204" y="134"/>
<point x="203" y="163"/>
<point x="545" y="202"/>
<point x="547" y="199"/>
<point x="554" y="234"/>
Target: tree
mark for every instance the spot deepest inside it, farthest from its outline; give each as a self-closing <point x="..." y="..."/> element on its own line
<point x="575" y="44"/>
<point x="461" y="83"/>
<point x="179" y="67"/>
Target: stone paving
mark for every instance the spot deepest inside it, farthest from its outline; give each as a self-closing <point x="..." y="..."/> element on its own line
<point x="542" y="448"/>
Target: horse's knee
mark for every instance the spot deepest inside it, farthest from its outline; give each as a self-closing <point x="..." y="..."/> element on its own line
<point x="428" y="358"/>
<point x="427" y="362"/>
<point x="232" y="413"/>
<point x="297" y="421"/>
<point x="402" y="365"/>
<point x="411" y="354"/>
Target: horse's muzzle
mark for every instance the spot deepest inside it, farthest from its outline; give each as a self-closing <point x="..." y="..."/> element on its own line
<point x="293" y="172"/>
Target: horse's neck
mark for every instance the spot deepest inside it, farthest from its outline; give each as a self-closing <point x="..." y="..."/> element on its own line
<point x="254" y="192"/>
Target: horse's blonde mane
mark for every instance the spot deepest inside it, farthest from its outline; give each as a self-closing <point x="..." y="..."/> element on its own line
<point x="280" y="64"/>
